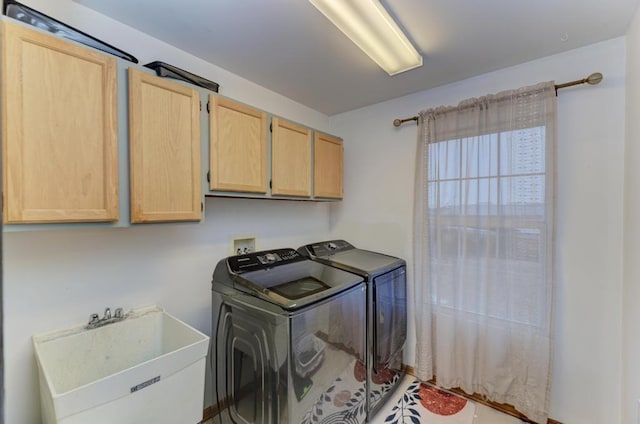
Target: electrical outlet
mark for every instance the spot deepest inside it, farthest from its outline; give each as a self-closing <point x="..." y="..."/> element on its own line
<point x="243" y="244"/>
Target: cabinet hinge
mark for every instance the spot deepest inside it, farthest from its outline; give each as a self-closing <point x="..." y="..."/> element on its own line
<point x="201" y="206"/>
<point x="208" y="176"/>
<point x="270" y="183"/>
<point x="200" y="105"/>
<point x="208" y="110"/>
<point x="271" y="127"/>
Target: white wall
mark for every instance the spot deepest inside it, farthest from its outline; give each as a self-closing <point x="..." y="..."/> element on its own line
<point x="631" y="329"/>
<point x="55" y="279"/>
<point x="377" y="210"/>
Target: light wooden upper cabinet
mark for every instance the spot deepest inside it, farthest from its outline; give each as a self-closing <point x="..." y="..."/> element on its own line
<point x="164" y="147"/>
<point x="59" y="121"/>
<point x="238" y="147"/>
<point x="327" y="174"/>
<point x="290" y="159"/>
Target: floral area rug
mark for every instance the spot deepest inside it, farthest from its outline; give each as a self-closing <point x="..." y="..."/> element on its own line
<point x="344" y="401"/>
<point x="421" y="403"/>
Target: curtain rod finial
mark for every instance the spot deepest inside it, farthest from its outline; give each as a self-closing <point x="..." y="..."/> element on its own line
<point x="398" y="122"/>
<point x="594" y="78"/>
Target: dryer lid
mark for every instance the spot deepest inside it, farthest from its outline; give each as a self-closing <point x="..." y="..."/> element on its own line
<point x="365" y="260"/>
<point x="344" y="255"/>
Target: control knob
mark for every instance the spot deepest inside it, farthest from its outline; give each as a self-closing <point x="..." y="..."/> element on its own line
<point x="270" y="257"/>
<point x="332" y="246"/>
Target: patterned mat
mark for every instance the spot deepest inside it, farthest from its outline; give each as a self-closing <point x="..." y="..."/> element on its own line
<point x="344" y="401"/>
<point x="412" y="403"/>
<point x="421" y="403"/>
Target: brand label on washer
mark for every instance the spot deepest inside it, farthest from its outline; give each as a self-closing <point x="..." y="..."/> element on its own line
<point x="145" y="384"/>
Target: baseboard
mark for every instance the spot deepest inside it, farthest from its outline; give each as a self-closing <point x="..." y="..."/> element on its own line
<point x="211" y="411"/>
<point x="207" y="414"/>
<point x="502" y="407"/>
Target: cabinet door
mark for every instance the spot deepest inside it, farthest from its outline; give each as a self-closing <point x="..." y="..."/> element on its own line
<point x="59" y="145"/>
<point x="238" y="147"/>
<point x="164" y="145"/>
<point x="327" y="166"/>
<point x="290" y="159"/>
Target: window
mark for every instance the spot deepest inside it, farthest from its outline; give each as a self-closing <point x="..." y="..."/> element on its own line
<point x="486" y="198"/>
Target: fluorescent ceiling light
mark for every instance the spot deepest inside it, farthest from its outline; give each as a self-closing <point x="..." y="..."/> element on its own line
<point x="371" y="28"/>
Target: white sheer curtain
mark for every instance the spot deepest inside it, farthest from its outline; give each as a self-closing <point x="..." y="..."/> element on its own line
<point x="484" y="246"/>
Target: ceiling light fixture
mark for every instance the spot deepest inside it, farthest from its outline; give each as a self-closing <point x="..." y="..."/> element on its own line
<point x="370" y="27"/>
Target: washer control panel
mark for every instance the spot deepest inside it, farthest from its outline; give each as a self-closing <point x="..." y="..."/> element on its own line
<point x="262" y="260"/>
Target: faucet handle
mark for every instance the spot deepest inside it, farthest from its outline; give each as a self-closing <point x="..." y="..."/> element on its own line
<point x="118" y="313"/>
<point x="107" y="313"/>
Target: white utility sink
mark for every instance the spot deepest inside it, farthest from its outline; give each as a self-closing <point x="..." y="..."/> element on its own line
<point x="149" y="367"/>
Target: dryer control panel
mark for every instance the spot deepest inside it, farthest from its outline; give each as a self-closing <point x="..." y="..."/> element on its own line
<point x="262" y="260"/>
<point x="328" y="248"/>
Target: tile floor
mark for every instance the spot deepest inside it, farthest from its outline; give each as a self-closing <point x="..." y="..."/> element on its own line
<point x="483" y="415"/>
<point x="486" y="415"/>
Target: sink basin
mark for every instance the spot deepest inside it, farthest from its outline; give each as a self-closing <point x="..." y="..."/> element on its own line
<point x="148" y="368"/>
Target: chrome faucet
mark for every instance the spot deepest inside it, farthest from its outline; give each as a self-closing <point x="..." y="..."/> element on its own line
<point x="95" y="321"/>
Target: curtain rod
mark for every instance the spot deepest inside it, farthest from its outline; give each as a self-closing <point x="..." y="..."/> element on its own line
<point x="592" y="79"/>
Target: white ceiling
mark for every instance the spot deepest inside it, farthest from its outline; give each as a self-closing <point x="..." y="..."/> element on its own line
<point x="289" y="47"/>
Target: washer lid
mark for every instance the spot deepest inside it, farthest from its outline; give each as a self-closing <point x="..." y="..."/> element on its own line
<point x="286" y="278"/>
